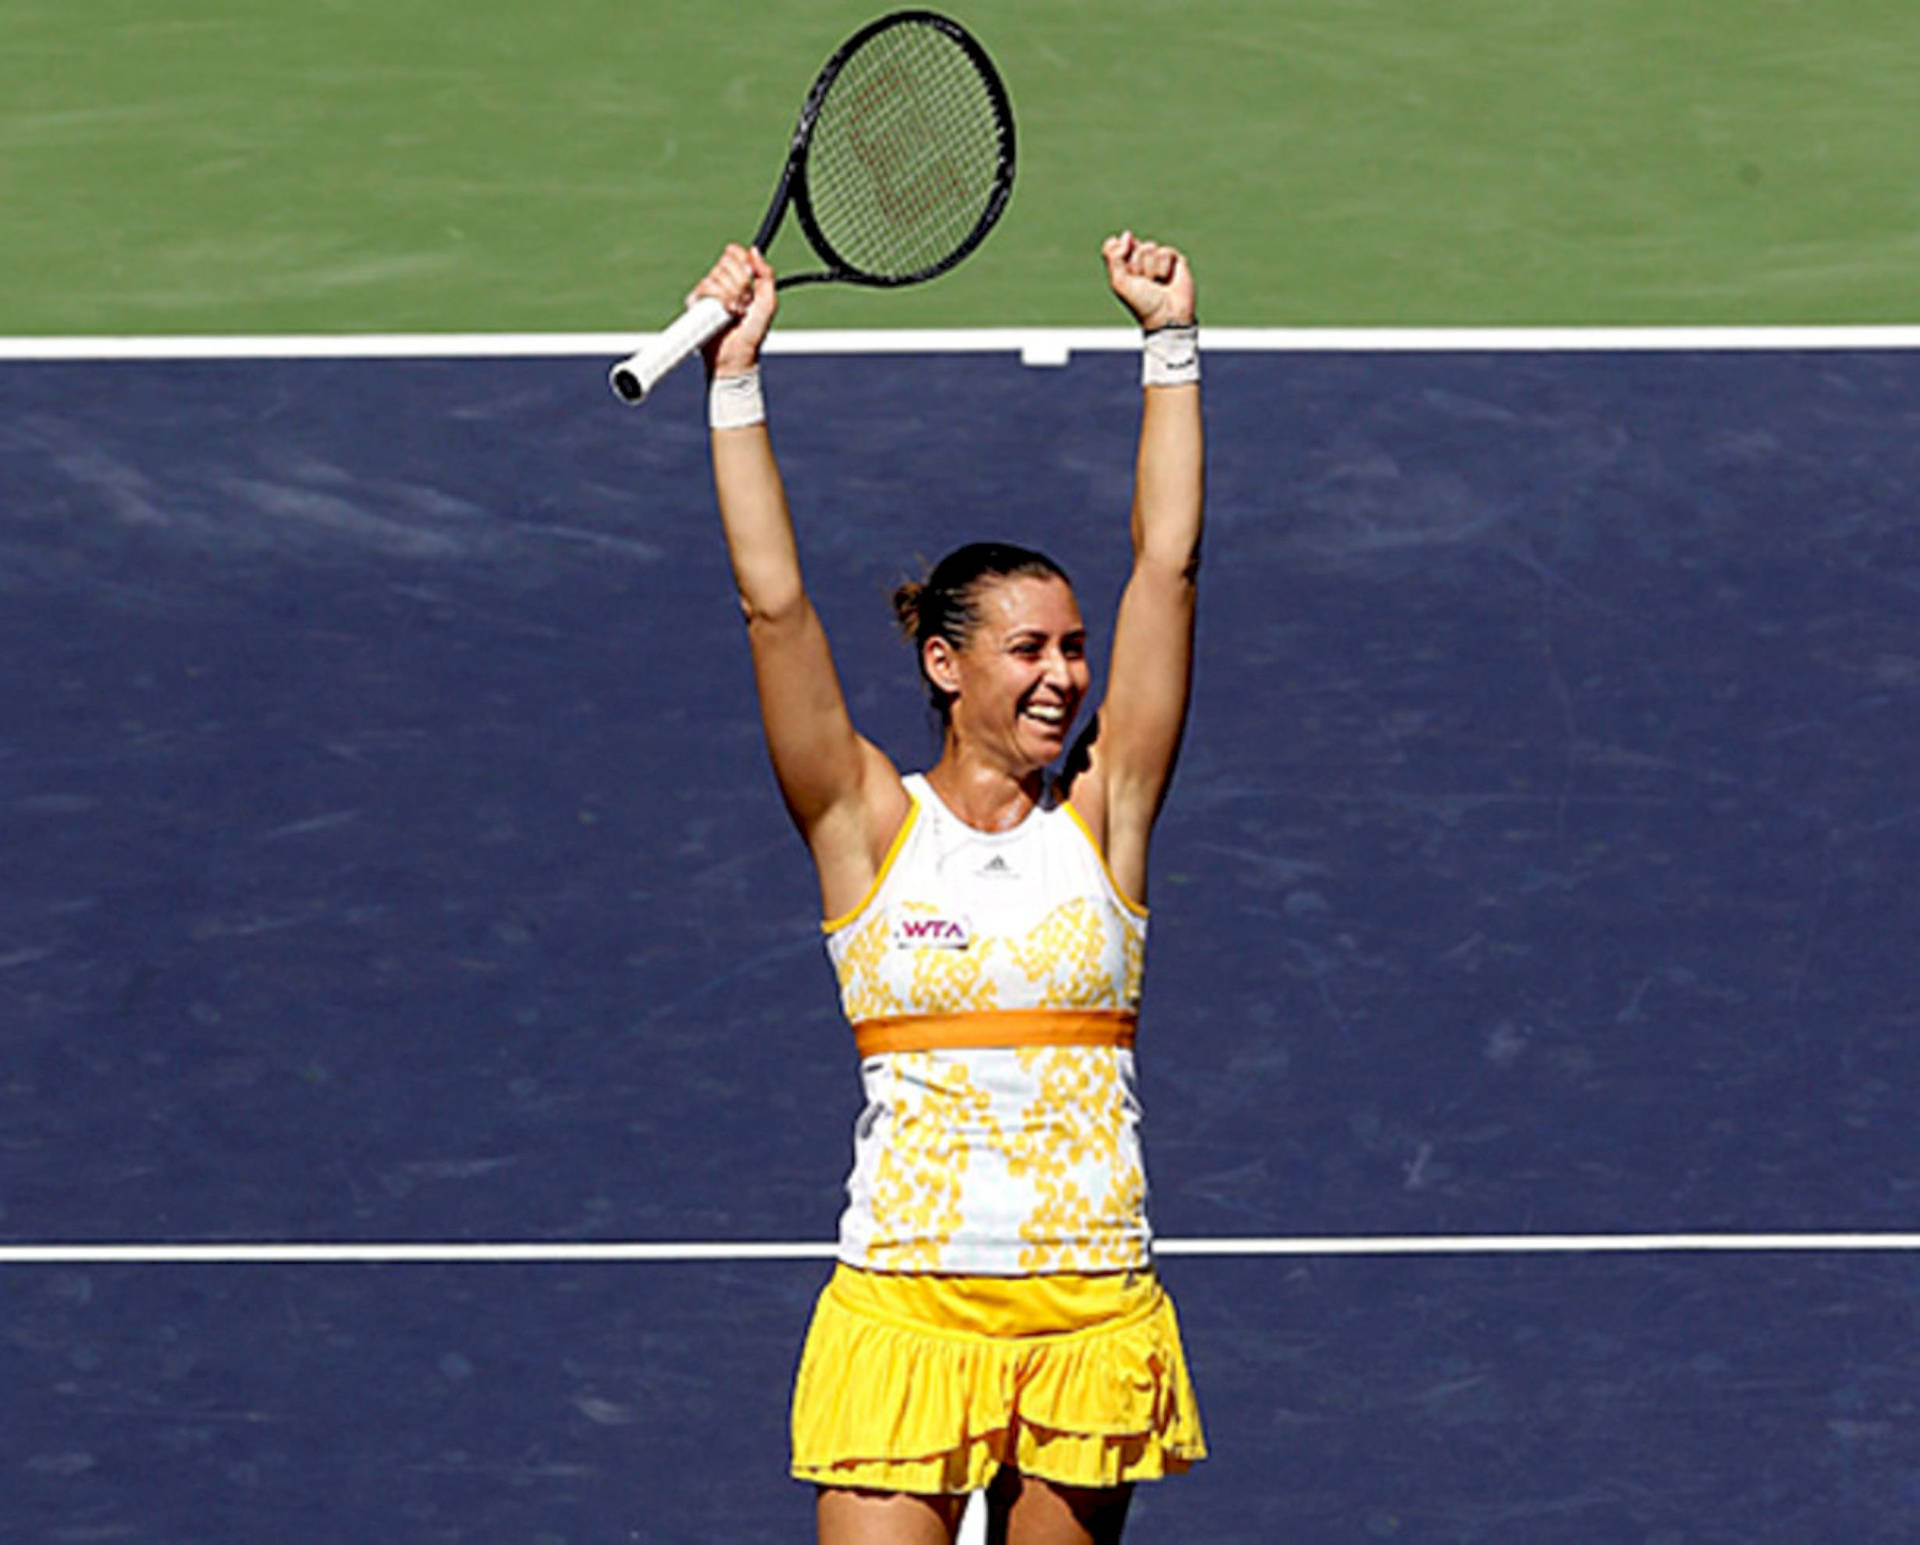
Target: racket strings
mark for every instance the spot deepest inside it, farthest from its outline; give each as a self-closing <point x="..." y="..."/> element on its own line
<point x="907" y="154"/>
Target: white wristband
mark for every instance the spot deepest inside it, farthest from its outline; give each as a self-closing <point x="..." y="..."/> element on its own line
<point x="1171" y="356"/>
<point x="735" y="402"/>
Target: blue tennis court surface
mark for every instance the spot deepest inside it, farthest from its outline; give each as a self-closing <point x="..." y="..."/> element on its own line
<point x="391" y="855"/>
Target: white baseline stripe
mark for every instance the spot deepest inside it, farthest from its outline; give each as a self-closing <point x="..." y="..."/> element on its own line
<point x="1034" y="345"/>
<point x="240" y="1254"/>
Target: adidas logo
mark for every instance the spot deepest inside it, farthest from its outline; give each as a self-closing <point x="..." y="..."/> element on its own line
<point x="997" y="868"/>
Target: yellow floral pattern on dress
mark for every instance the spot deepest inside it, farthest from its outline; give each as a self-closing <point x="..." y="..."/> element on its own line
<point x="1134" y="942"/>
<point x="1075" y="1122"/>
<point x="950" y="981"/>
<point x="863" y="985"/>
<point x="917" y="1185"/>
<point x="1064" y="956"/>
<point x="1064" y="959"/>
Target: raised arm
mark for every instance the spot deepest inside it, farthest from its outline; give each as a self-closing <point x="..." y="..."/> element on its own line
<point x="842" y="792"/>
<point x="1136" y="737"/>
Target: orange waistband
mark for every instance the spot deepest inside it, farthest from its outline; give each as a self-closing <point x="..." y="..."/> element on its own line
<point x="994" y="1027"/>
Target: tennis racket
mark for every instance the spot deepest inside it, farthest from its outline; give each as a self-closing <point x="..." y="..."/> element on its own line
<point x="899" y="166"/>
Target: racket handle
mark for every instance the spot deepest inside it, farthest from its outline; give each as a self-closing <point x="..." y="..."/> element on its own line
<point x="637" y="375"/>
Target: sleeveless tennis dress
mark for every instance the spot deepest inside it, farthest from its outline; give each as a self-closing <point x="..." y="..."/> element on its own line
<point x="995" y="1301"/>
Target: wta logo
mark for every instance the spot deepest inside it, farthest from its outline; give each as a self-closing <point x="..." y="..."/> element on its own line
<point x="931" y="933"/>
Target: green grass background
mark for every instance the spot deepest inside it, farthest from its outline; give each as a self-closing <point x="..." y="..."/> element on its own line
<point x="244" y="166"/>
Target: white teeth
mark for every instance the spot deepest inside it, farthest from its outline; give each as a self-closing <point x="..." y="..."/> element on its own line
<point x="1046" y="714"/>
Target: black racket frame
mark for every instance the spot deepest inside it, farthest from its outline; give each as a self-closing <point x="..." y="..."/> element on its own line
<point x="792" y="188"/>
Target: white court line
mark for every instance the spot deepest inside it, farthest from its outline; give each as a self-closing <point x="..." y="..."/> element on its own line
<point x="1034" y="345"/>
<point x="669" y="1251"/>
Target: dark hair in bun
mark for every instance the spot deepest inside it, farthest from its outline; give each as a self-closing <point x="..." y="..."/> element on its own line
<point x="946" y="604"/>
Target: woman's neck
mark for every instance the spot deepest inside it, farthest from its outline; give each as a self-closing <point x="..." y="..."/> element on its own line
<point x="988" y="797"/>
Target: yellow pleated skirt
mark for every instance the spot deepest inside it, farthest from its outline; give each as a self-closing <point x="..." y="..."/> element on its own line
<point x="930" y="1384"/>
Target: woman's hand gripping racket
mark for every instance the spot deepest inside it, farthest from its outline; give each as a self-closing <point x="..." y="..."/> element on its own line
<point x="899" y="166"/>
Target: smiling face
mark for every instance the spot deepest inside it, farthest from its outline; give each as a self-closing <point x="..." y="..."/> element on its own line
<point x="1016" y="684"/>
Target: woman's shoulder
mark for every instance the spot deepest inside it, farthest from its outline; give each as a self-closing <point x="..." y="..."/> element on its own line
<point x="1078" y="782"/>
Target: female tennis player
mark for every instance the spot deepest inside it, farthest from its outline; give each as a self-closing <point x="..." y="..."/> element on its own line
<point x="994" y="1320"/>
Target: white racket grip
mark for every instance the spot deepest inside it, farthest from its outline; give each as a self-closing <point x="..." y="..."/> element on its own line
<point x="637" y="375"/>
